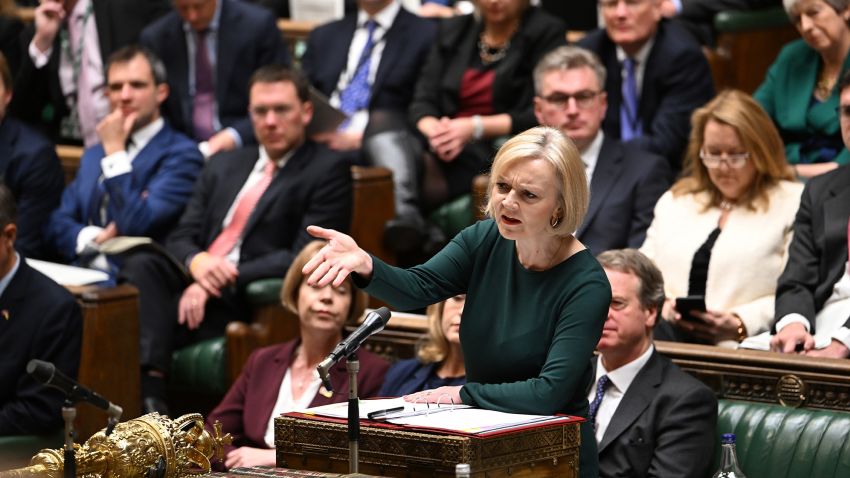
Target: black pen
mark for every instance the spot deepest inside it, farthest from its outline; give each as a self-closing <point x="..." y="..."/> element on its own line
<point x="378" y="414"/>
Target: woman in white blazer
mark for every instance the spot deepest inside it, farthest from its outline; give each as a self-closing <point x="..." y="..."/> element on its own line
<point x="722" y="231"/>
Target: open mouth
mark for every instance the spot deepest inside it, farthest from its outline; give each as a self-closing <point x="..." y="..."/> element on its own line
<point x="510" y="221"/>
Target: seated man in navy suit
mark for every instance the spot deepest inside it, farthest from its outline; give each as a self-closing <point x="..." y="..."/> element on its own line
<point x="137" y="180"/>
<point x="39" y="319"/>
<point x="209" y="85"/>
<point x="625" y="183"/>
<point x="373" y="81"/>
<point x="650" y="417"/>
<point x="657" y="76"/>
<point x="29" y="166"/>
<point x="246" y="221"/>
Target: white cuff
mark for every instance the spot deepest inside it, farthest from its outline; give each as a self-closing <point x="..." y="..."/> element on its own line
<point x="38" y="57"/>
<point x="86" y="237"/>
<point x="842" y="335"/>
<point x="235" y="135"/>
<point x="677" y="4"/>
<point x="116" y="164"/>
<point x="793" y="318"/>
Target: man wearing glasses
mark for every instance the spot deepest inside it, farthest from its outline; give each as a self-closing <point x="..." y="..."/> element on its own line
<point x="813" y="293"/>
<point x="625" y="182"/>
<point x="246" y="220"/>
<point x="657" y="76"/>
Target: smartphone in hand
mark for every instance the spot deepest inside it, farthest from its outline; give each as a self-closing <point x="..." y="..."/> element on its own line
<point x="687" y="305"/>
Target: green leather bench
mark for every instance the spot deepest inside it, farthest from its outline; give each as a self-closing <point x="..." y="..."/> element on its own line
<point x="16" y="451"/>
<point x="781" y="442"/>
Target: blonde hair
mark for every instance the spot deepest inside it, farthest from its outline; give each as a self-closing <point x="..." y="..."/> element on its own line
<point x="293" y="279"/>
<point x="757" y="134"/>
<point x="549" y="144"/>
<point x="434" y="347"/>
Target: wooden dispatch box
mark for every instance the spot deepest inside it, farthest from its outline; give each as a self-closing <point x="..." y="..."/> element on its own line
<point x="320" y="445"/>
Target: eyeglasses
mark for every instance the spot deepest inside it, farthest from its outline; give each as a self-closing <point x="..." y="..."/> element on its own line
<point x="733" y="160"/>
<point x="843" y="111"/>
<point x="584" y="98"/>
<point x="612" y="4"/>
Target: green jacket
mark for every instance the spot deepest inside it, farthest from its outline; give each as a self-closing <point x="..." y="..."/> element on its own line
<point x="786" y="95"/>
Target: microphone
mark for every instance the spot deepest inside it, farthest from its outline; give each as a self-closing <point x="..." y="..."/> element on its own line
<point x="46" y="373"/>
<point x="374" y="323"/>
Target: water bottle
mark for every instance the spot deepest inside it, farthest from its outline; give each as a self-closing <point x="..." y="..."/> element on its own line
<point x="462" y="470"/>
<point x="728" y="458"/>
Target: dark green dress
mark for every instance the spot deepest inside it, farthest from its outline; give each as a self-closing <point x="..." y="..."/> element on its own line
<point x="527" y="336"/>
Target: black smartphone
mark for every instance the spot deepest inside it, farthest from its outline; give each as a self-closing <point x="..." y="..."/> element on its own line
<point x="687" y="305"/>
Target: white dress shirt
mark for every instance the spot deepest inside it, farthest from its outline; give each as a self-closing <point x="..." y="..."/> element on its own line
<point x="829" y="322"/>
<point x="384" y="20"/>
<point x="620" y="381"/>
<point x="590" y="155"/>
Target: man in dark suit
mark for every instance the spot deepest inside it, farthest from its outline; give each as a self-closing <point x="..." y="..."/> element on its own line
<point x="650" y="417"/>
<point x="39" y="319"/>
<point x="657" y="76"/>
<point x="400" y="43"/>
<point x="246" y="220"/>
<point x="60" y="90"/>
<point x="209" y="86"/>
<point x="138" y="178"/>
<point x="625" y="182"/>
<point x="29" y="166"/>
<point x="375" y="89"/>
<point x="813" y="292"/>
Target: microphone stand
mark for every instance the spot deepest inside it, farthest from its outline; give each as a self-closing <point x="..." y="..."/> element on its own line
<point x="353" y="366"/>
<point x="69" y="413"/>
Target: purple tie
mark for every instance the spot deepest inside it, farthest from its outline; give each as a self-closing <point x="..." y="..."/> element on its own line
<point x="204" y="100"/>
<point x="630" y="126"/>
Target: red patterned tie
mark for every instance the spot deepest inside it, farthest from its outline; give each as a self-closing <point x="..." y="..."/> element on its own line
<point x="226" y="240"/>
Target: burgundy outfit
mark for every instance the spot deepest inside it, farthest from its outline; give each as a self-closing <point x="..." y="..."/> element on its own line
<point x="245" y="411"/>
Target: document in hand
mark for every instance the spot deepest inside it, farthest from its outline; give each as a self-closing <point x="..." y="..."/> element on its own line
<point x="462" y="419"/>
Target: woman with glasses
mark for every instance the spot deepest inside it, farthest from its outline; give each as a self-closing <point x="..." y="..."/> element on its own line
<point x="722" y="231"/>
<point x="799" y="91"/>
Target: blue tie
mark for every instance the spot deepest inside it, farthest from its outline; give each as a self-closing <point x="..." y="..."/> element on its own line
<point x="355" y="96"/>
<point x="630" y="126"/>
<point x="594" y="405"/>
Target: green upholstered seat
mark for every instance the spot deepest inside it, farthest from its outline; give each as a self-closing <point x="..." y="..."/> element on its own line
<point x="454" y="216"/>
<point x="16" y="451"/>
<point x="781" y="442"/>
<point x="264" y="292"/>
<point x="761" y="19"/>
<point x="200" y="368"/>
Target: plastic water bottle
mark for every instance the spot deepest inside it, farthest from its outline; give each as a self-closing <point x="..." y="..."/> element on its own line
<point x="462" y="470"/>
<point x="728" y="458"/>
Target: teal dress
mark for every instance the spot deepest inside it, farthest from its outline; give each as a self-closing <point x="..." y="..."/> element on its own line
<point x="527" y="336"/>
<point x="809" y="128"/>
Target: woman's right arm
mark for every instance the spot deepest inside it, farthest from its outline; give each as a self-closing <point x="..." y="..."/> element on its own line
<point x="336" y="260"/>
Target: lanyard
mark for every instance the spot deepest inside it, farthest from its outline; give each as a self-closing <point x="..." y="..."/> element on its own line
<point x="65" y="41"/>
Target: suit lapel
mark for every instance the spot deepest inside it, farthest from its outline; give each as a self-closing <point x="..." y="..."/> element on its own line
<point x="639" y="395"/>
<point x="281" y="361"/>
<point x="281" y="181"/>
<point x="836" y="211"/>
<point x="395" y="45"/>
<point x="227" y="45"/>
<point x="178" y="74"/>
<point x="605" y="174"/>
<point x="336" y="59"/>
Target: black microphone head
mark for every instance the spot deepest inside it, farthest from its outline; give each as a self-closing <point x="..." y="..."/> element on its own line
<point x="384" y="314"/>
<point x="41" y="370"/>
